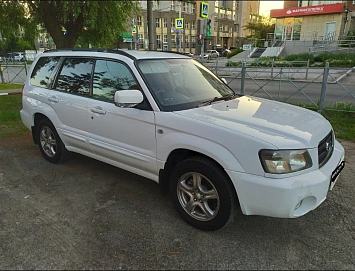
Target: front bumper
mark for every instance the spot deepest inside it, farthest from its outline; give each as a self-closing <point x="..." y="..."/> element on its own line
<point x="286" y="197"/>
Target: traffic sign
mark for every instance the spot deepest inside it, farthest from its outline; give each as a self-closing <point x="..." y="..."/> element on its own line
<point x="134" y="29"/>
<point x="179" y="23"/>
<point x="204" y="10"/>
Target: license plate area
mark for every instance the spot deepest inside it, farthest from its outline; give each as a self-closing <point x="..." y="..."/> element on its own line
<point x="335" y="174"/>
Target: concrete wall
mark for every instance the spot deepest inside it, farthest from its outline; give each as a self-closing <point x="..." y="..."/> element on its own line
<point x="316" y="25"/>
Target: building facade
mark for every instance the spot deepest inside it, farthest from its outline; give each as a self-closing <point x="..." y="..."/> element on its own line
<point x="228" y="18"/>
<point x="313" y="20"/>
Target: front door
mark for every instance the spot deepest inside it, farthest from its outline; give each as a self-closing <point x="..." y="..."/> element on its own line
<point x="287" y="32"/>
<point x="330" y="29"/>
<point x="123" y="135"/>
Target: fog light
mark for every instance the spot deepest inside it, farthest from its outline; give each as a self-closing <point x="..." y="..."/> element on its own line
<point x="298" y="204"/>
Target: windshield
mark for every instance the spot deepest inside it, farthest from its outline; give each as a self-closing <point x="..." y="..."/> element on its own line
<point x="179" y="84"/>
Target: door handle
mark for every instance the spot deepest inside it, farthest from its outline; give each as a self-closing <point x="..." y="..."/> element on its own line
<point x="53" y="99"/>
<point x="98" y="110"/>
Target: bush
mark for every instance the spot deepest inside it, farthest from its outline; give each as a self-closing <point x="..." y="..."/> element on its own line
<point x="234" y="52"/>
<point x="300" y="57"/>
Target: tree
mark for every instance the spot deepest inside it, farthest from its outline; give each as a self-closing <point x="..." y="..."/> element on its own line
<point x="260" y="27"/>
<point x="95" y="22"/>
<point x="17" y="31"/>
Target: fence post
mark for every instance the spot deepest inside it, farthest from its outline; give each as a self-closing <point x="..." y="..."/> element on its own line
<point x="278" y="94"/>
<point x="26" y="68"/>
<point x="242" y="82"/>
<point x="324" y="86"/>
<point x="307" y="69"/>
<point x="2" y="75"/>
<point x="272" y="68"/>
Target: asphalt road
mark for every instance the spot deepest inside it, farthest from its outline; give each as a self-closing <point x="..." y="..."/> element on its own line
<point x="84" y="214"/>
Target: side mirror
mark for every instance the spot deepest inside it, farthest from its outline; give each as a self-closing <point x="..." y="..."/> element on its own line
<point x="224" y="81"/>
<point x="128" y="98"/>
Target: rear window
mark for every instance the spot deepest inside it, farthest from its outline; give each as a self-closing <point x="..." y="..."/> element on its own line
<point x="43" y="70"/>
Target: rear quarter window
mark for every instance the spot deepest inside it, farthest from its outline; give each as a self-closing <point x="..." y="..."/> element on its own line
<point x="43" y="70"/>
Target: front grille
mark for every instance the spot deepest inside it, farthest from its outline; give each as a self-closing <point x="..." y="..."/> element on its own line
<point x="325" y="149"/>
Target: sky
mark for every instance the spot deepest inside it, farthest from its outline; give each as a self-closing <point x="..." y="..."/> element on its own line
<point x="266" y="6"/>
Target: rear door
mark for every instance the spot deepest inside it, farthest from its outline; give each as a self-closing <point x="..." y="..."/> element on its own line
<point x="69" y="99"/>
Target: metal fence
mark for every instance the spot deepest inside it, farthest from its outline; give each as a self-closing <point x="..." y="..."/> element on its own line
<point x="14" y="72"/>
<point x="321" y="88"/>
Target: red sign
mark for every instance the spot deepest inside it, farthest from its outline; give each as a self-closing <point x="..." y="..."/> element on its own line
<point x="308" y="10"/>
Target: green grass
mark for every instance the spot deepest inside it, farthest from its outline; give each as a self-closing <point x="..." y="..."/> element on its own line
<point x="10" y="120"/>
<point x="11" y="124"/>
<point x="10" y="86"/>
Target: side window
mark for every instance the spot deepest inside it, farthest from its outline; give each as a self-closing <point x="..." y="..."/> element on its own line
<point x="43" y="70"/>
<point x="75" y="76"/>
<point x="110" y="76"/>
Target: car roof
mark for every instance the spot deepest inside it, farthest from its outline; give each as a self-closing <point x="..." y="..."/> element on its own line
<point x="133" y="54"/>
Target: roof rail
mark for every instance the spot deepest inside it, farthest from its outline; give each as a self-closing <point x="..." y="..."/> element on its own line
<point x="103" y="50"/>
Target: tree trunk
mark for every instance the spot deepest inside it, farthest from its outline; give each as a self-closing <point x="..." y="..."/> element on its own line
<point x="49" y="14"/>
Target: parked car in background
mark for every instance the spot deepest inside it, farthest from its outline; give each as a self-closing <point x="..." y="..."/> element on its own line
<point x="223" y="51"/>
<point x="211" y="54"/>
<point x="16" y="57"/>
<point x="188" y="54"/>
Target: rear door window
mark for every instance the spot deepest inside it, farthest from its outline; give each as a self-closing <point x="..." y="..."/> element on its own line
<point x="75" y="76"/>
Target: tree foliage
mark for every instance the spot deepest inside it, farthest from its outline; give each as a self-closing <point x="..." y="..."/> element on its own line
<point x="260" y="27"/>
<point x="96" y="22"/>
<point x="17" y="31"/>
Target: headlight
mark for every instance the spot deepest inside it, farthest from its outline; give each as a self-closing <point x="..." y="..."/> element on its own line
<point x="284" y="161"/>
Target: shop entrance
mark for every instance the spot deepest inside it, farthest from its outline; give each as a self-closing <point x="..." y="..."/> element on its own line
<point x="287" y="32"/>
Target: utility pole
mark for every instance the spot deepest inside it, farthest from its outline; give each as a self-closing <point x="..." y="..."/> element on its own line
<point x="180" y="29"/>
<point x="150" y="24"/>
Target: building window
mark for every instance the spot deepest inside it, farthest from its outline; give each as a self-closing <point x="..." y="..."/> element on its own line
<point x="172" y="5"/>
<point x="139" y="20"/>
<point x="192" y="25"/>
<point x="193" y="8"/>
<point x="165" y="38"/>
<point x="186" y="25"/>
<point x="173" y="41"/>
<point x="185" y="7"/>
<point x="172" y="23"/>
<point x="157" y="22"/>
<point x="165" y="22"/>
<point x="158" y="41"/>
<point x="140" y="41"/>
<point x="186" y="40"/>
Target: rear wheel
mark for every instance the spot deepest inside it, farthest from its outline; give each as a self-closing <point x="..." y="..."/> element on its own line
<point x="50" y="144"/>
<point x="202" y="193"/>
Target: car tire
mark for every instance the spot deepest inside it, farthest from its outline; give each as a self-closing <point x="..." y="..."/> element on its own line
<point x="202" y="193"/>
<point x="50" y="144"/>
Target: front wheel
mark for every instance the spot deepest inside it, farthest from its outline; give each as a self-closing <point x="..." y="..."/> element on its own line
<point x="202" y="193"/>
<point x="50" y="144"/>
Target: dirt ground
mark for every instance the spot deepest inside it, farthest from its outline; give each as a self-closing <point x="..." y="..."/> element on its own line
<point x="84" y="214"/>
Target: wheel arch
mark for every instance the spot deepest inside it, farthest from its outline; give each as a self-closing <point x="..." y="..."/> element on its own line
<point x="175" y="157"/>
<point x="37" y="117"/>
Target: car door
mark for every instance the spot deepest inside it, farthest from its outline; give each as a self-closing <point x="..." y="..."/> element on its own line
<point x="69" y="99"/>
<point x="124" y="135"/>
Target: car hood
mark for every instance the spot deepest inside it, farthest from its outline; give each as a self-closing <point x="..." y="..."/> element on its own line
<point x="280" y="124"/>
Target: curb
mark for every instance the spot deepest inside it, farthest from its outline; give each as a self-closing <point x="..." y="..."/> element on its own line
<point x="9" y="93"/>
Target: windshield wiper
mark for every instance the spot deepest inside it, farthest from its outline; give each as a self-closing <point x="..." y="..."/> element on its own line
<point x="216" y="99"/>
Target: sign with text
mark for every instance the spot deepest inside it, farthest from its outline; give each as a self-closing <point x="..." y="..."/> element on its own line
<point x="246" y="47"/>
<point x="308" y="10"/>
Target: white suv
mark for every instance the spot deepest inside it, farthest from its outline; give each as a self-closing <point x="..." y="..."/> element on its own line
<point x="166" y="117"/>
